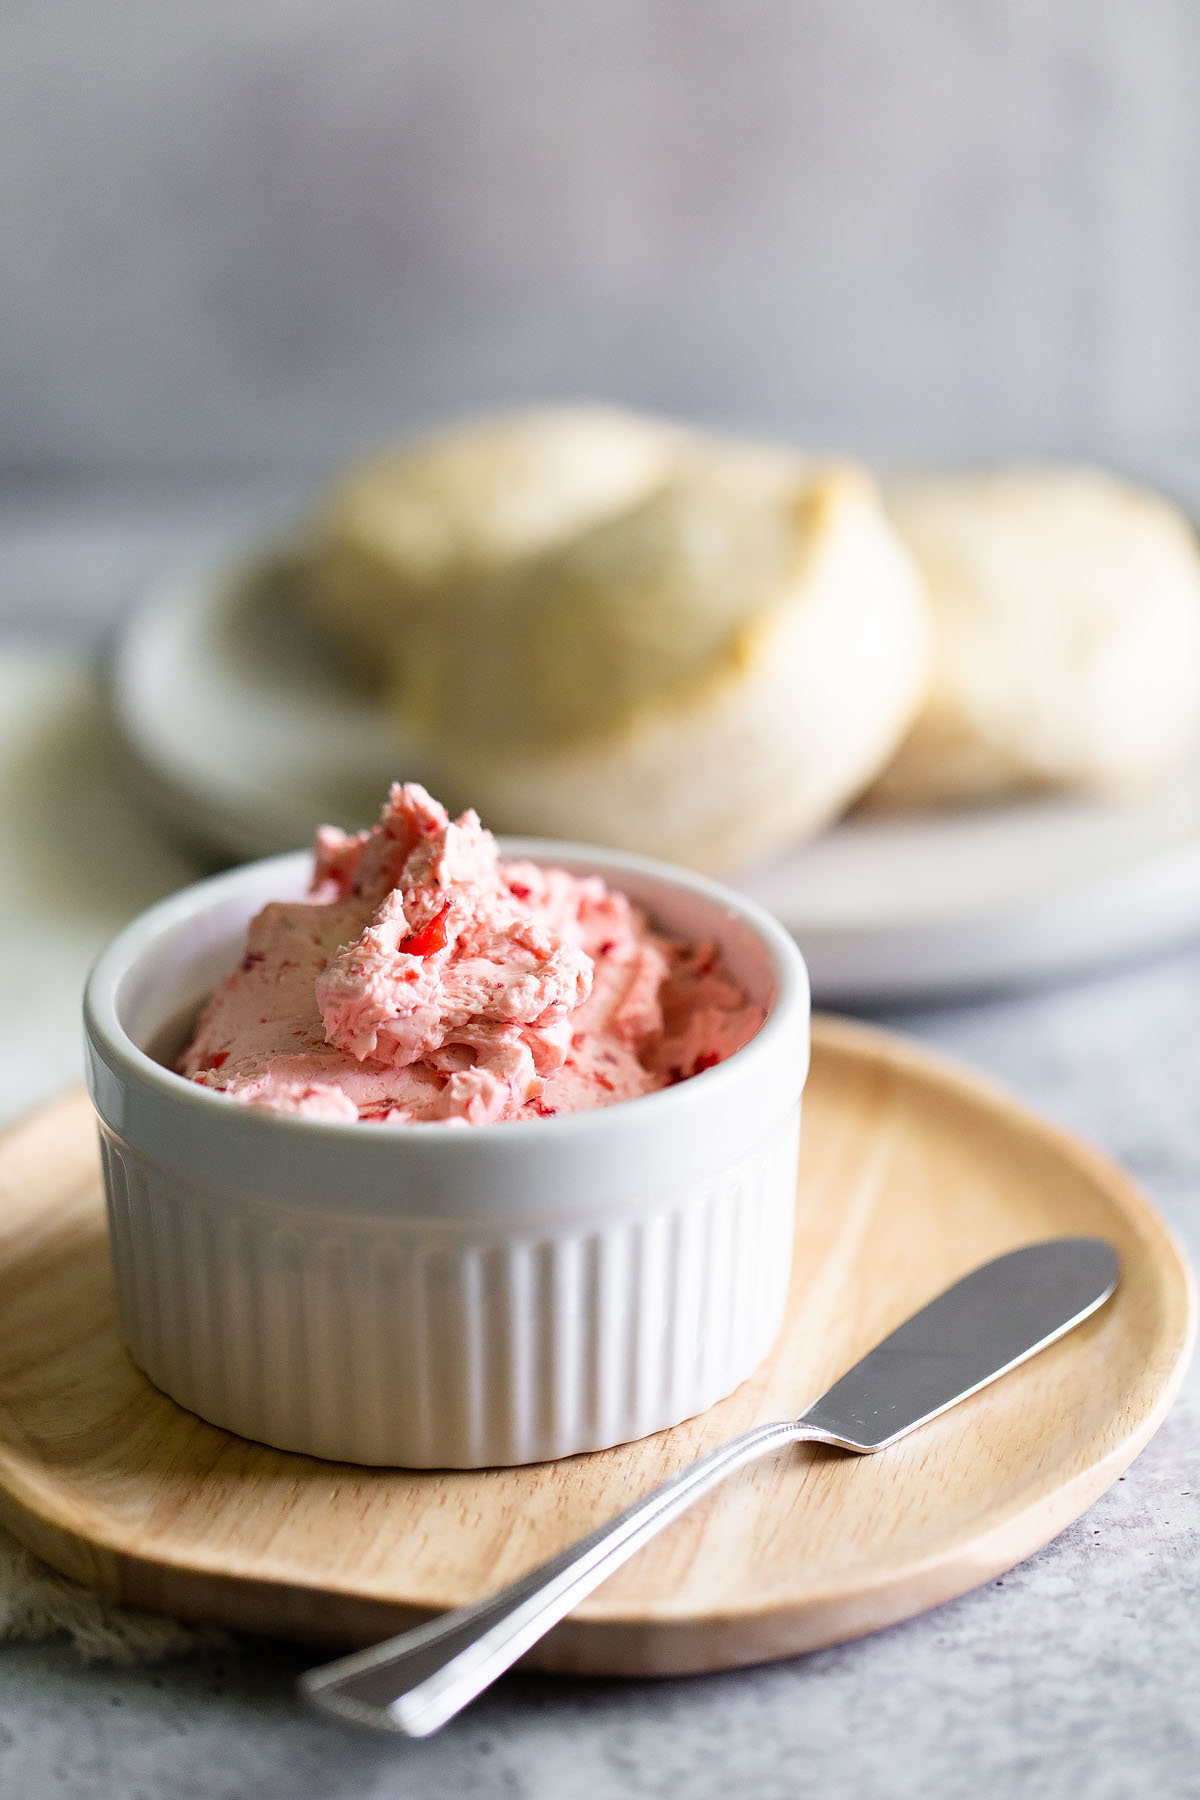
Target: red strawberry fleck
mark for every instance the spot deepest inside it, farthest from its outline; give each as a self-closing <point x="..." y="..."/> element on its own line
<point x="607" y="947"/>
<point x="708" y="1060"/>
<point x="431" y="937"/>
<point x="518" y="890"/>
<point x="215" y="1062"/>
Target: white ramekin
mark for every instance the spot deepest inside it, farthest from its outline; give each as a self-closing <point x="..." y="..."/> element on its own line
<point x="433" y="1295"/>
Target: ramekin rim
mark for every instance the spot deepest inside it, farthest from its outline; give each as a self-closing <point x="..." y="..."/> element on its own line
<point x="121" y="954"/>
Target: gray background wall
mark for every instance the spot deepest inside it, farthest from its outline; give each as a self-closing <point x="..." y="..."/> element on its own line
<point x="251" y="233"/>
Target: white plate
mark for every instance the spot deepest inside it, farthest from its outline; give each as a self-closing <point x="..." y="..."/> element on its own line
<point x="245" y="737"/>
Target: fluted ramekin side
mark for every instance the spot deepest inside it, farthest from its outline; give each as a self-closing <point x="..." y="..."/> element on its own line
<point x="384" y="1342"/>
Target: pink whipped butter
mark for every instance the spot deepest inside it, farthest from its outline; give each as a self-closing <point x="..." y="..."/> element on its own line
<point x="427" y="979"/>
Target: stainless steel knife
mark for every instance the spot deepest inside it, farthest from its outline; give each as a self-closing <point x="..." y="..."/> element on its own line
<point x="993" y="1319"/>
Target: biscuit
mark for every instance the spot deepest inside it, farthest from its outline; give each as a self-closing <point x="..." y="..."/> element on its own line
<point x="1066" y="609"/>
<point x="708" y="676"/>
<point x="424" y="524"/>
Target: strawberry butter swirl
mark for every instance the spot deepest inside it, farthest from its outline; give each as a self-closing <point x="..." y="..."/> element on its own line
<point x="426" y="979"/>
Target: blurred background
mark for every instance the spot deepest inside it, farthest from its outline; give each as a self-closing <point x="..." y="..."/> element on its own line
<point x="246" y="238"/>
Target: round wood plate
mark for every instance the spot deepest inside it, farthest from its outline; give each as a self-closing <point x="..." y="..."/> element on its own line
<point x="911" y="1173"/>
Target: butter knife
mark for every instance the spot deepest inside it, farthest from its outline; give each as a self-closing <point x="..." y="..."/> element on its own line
<point x="984" y="1325"/>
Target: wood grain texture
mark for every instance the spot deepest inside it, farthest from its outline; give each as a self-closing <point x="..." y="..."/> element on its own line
<point x="911" y="1173"/>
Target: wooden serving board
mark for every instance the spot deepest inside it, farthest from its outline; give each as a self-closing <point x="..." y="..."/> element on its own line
<point x="912" y="1172"/>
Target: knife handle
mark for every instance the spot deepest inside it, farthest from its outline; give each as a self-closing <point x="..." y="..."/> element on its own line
<point x="415" y="1682"/>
